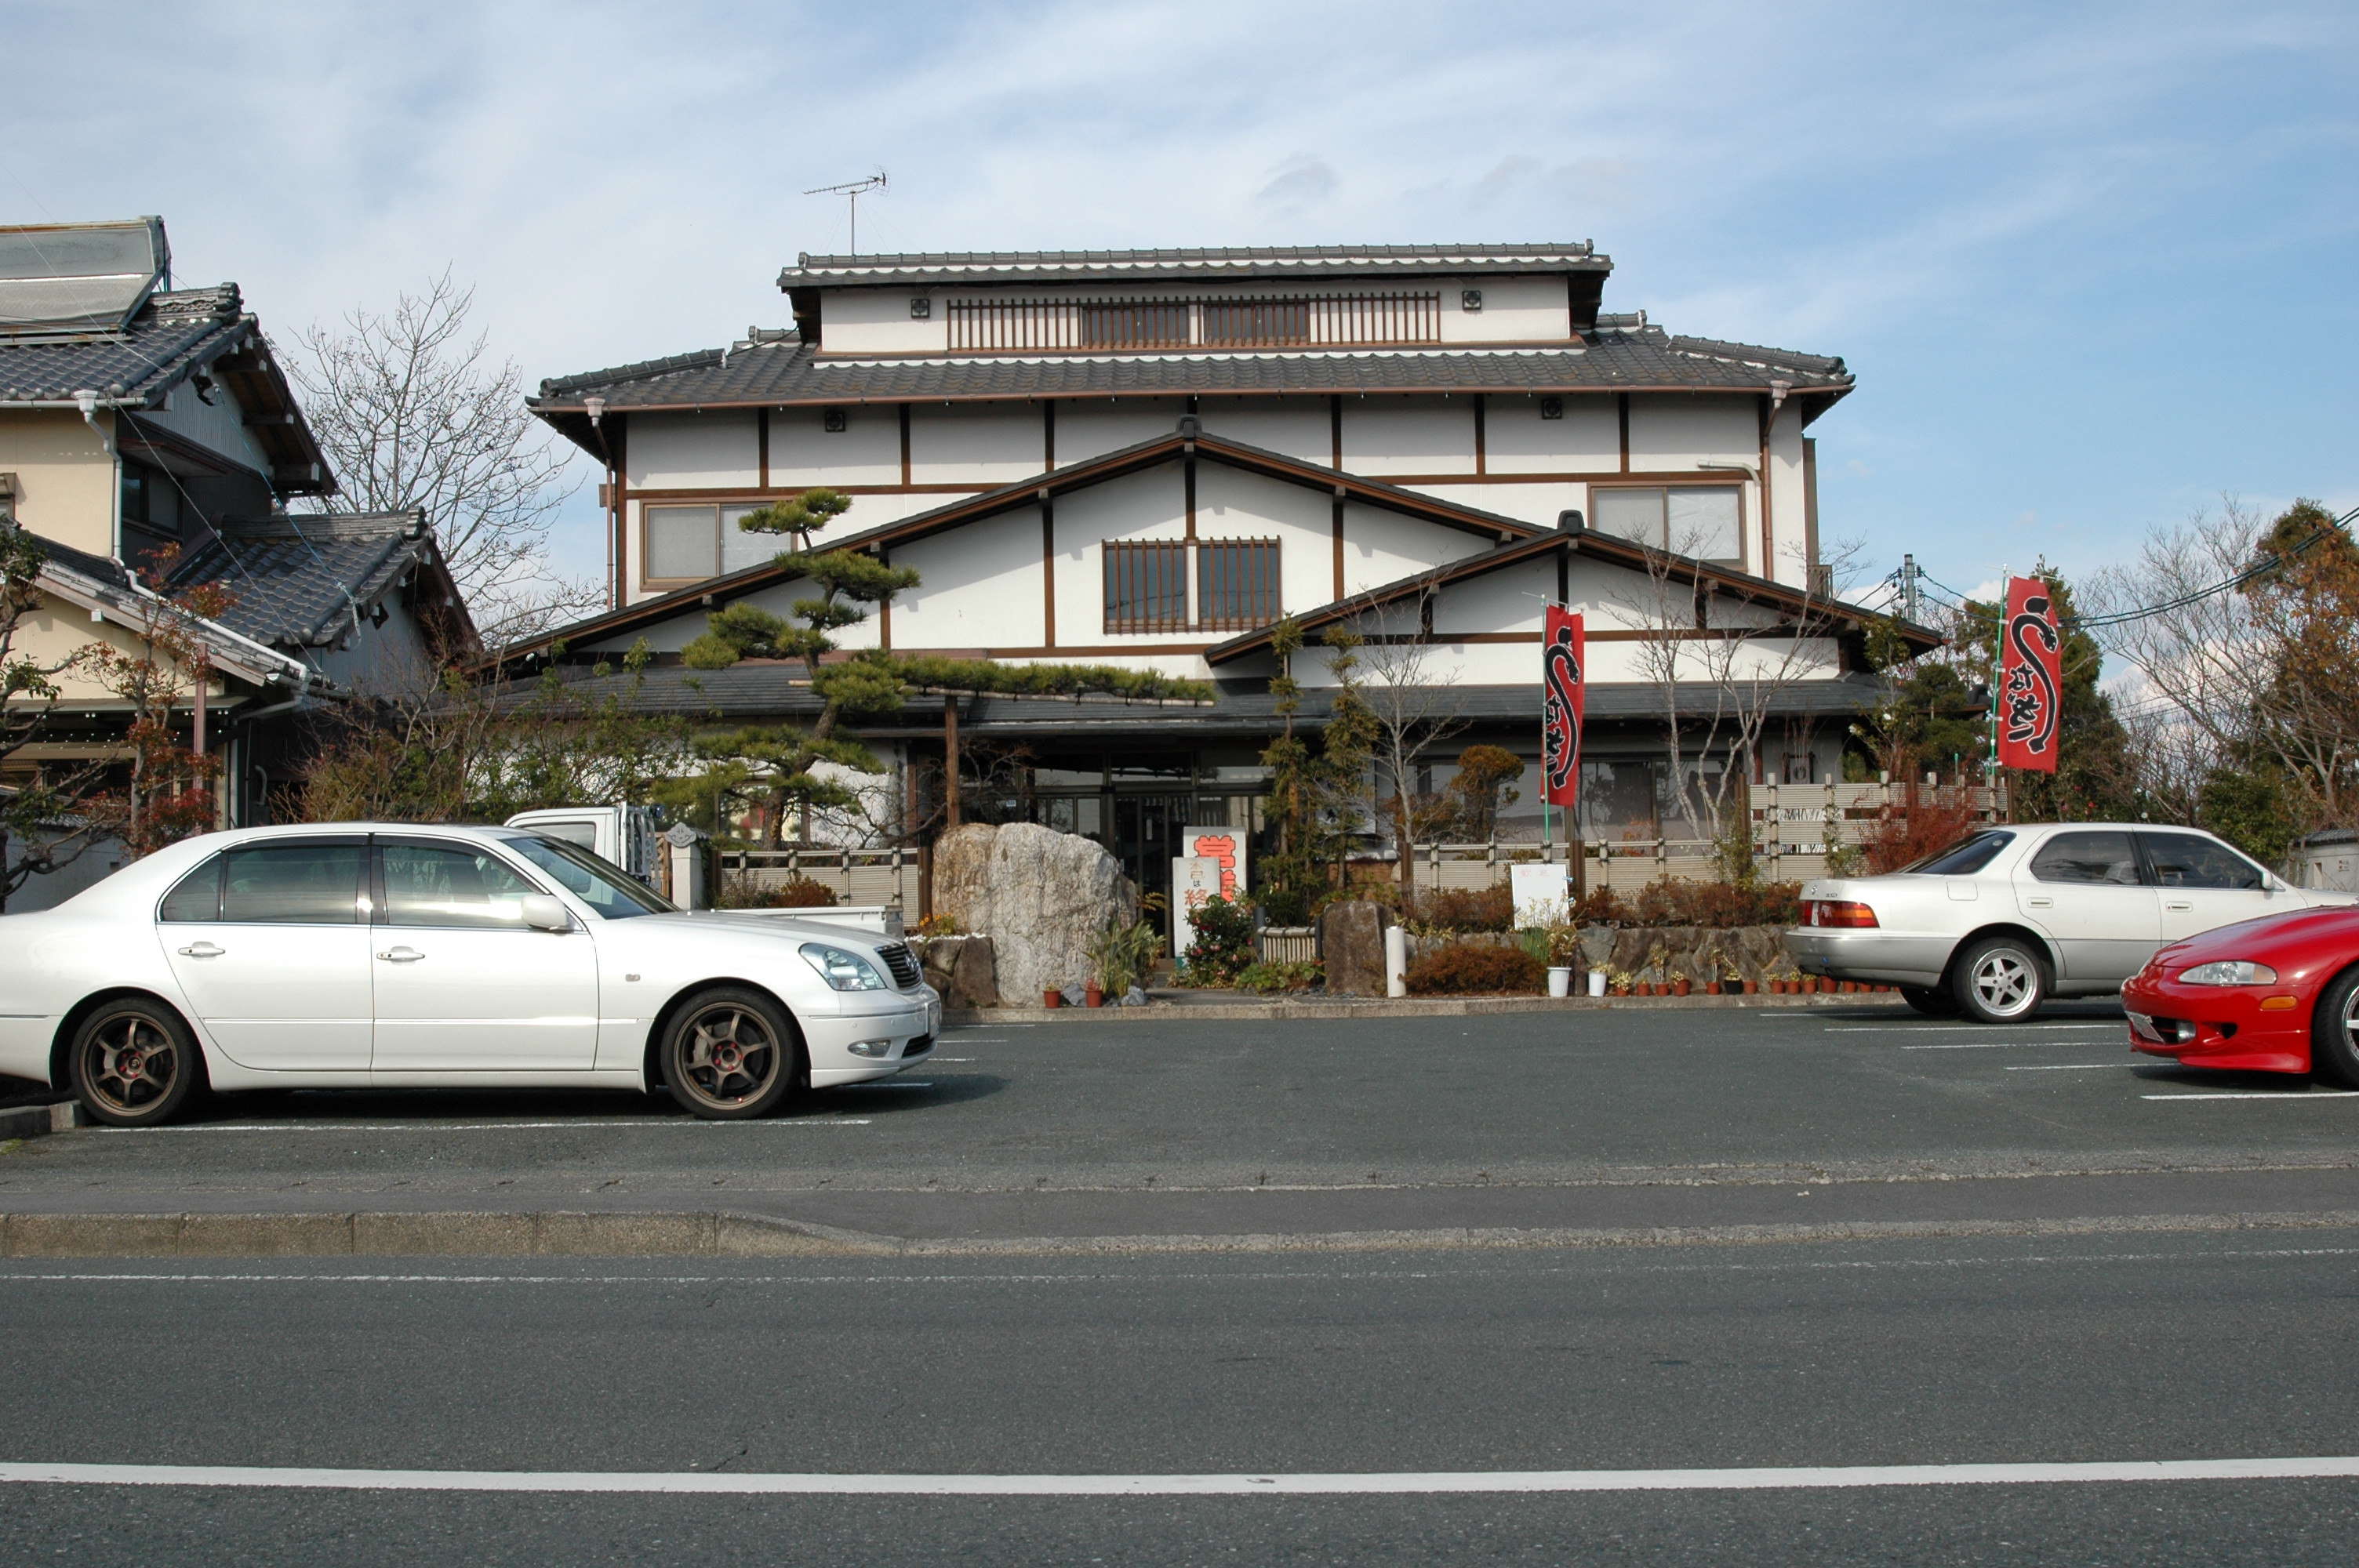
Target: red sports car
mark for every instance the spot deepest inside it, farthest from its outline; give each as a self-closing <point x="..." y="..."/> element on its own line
<point x="2279" y="995"/>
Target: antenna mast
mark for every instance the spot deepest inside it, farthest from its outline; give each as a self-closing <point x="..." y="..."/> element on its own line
<point x="853" y="189"/>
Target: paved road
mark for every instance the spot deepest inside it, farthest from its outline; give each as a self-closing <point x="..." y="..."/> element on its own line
<point x="1944" y="1352"/>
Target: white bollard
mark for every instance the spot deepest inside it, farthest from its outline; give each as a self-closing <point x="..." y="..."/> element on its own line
<point x="1396" y="961"/>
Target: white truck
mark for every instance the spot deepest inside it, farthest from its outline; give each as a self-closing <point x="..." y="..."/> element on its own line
<point x="625" y="835"/>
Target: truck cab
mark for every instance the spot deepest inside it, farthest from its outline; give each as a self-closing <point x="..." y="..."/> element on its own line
<point x="625" y="836"/>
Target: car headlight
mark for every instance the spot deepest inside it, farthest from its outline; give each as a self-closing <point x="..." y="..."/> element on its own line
<point x="844" y="970"/>
<point x="2229" y="972"/>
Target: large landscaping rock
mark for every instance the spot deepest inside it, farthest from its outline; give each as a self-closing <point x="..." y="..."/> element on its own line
<point x="1040" y="895"/>
<point x="964" y="969"/>
<point x="1351" y="942"/>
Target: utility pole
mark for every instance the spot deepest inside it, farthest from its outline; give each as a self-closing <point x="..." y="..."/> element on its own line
<point x="1911" y="597"/>
<point x="853" y="189"/>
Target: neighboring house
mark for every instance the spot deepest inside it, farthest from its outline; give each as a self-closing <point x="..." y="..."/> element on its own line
<point x="1148" y="458"/>
<point x="150" y="441"/>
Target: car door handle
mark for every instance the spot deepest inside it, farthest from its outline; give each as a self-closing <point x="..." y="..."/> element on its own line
<point x="401" y="955"/>
<point x="2178" y="903"/>
<point x="202" y="950"/>
<point x="2040" y="903"/>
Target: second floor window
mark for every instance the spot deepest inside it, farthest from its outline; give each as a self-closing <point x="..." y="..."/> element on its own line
<point x="689" y="544"/>
<point x="1236" y="584"/>
<point x="1705" y="522"/>
<point x="1147" y="586"/>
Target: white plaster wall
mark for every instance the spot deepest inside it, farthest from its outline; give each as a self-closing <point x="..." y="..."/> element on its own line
<point x="685" y="451"/>
<point x="1515" y="310"/>
<point x="877" y="322"/>
<point x="868" y="450"/>
<point x="982" y="444"/>
<point x="1512" y="598"/>
<point x="1301" y="427"/>
<point x="1409" y="435"/>
<point x="65" y="478"/>
<point x="216" y="426"/>
<point x="981" y="588"/>
<point x="1384" y="546"/>
<point x="1516" y="439"/>
<point x="876" y="510"/>
<point x="1671" y="433"/>
<point x="1789" y="514"/>
<point x="1089" y="427"/>
<point x="1148" y="506"/>
<point x="1231" y="505"/>
<point x="1534" y="503"/>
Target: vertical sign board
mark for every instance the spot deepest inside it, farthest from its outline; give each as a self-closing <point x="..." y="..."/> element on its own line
<point x="1195" y="879"/>
<point x="1564" y="697"/>
<point x="1539" y="894"/>
<point x="1226" y="845"/>
<point x="2031" y="678"/>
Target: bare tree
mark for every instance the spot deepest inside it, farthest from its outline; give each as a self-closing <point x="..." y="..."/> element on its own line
<point x="1411" y="694"/>
<point x="412" y="413"/>
<point x="1721" y="651"/>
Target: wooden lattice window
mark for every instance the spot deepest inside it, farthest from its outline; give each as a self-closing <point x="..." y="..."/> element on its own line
<point x="1236" y="584"/>
<point x="1147" y="586"/>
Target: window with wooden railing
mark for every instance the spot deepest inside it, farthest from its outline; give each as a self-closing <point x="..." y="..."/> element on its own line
<point x="1119" y="326"/>
<point x="1236" y="584"/>
<point x="1147" y="586"/>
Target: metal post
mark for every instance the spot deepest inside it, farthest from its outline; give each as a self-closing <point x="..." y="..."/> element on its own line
<point x="951" y="758"/>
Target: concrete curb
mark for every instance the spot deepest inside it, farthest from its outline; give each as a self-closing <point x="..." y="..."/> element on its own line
<point x="1405" y="1007"/>
<point x="726" y="1235"/>
<point x="39" y="1120"/>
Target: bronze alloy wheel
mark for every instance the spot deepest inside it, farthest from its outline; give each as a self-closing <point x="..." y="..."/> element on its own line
<point x="133" y="1063"/>
<point x="730" y="1054"/>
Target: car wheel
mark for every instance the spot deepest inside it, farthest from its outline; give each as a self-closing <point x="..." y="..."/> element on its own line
<point x="2334" y="1023"/>
<point x="1930" y="1001"/>
<point x="134" y="1063"/>
<point x="730" y="1055"/>
<point x="1999" y="980"/>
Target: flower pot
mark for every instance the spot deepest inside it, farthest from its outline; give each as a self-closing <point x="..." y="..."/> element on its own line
<point x="1681" y="986"/>
<point x="1095" y="996"/>
<point x="1559" y="979"/>
<point x="1620" y="990"/>
<point x="1711" y="987"/>
<point x="1596" y="982"/>
<point x="1752" y="987"/>
<point x="1052" y="996"/>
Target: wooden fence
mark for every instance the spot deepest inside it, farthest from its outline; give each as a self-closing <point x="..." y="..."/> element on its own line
<point x="893" y="877"/>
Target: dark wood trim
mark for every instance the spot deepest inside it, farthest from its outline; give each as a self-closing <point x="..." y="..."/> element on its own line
<point x="1339" y="546"/>
<point x="1188" y="485"/>
<point x="1810" y="499"/>
<point x="1621" y="406"/>
<point x="1703" y="635"/>
<point x="904" y="446"/>
<point x="1047" y="435"/>
<point x="1100" y="651"/>
<point x="1563" y="574"/>
<point x="1562" y="345"/>
<point x="1769" y="533"/>
<point x="1481" y="457"/>
<point x="752" y="492"/>
<point x="1335" y="421"/>
<point x="885" y="608"/>
<point x="978" y="487"/>
<point x="762" y="443"/>
<point x="1049" y="566"/>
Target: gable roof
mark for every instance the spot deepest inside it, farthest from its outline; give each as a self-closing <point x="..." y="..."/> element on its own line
<point x="168" y="340"/>
<point x="1191" y="266"/>
<point x="1622" y="355"/>
<point x="304" y="581"/>
<point x="1180" y="444"/>
<point x="1845" y="618"/>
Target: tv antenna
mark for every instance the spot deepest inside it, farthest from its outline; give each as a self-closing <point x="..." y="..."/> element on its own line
<point x="853" y="189"/>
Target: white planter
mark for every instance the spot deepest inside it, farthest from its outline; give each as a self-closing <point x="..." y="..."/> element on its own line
<point x="1560" y="980"/>
<point x="1596" y="982"/>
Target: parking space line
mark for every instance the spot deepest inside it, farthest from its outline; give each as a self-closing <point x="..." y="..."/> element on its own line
<point x="1765" y="1478"/>
<point x="1998" y="1045"/>
<point x="2071" y="1066"/>
<point x="1962" y="1028"/>
<point x="2287" y="1094"/>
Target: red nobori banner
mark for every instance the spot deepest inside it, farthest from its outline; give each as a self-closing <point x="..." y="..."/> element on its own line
<point x="2031" y="677"/>
<point x="1564" y="656"/>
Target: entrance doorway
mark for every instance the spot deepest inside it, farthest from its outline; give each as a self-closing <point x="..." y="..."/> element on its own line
<point x="1147" y="830"/>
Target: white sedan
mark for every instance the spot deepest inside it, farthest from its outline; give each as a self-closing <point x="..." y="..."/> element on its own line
<point x="372" y="954"/>
<point x="2013" y="914"/>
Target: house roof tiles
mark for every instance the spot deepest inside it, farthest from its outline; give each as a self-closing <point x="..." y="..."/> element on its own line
<point x="300" y="581"/>
<point x="1189" y="264"/>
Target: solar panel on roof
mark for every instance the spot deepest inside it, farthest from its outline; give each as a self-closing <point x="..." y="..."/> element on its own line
<point x="61" y="279"/>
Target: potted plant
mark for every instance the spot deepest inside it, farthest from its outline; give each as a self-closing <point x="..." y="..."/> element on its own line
<point x="1052" y="996"/>
<point x="1121" y="954"/>
<point x="1093" y="995"/>
<point x="1682" y="985"/>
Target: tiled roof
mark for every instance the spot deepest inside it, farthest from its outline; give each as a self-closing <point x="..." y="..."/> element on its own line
<point x="1193" y="266"/>
<point x="788" y="373"/>
<point x="298" y="581"/>
<point x="172" y="334"/>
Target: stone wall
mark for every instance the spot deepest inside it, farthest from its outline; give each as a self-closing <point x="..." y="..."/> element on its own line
<point x="1658" y="954"/>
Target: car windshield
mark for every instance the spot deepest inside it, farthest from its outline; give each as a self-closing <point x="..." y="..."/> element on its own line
<point x="607" y="888"/>
<point x="1963" y="859"/>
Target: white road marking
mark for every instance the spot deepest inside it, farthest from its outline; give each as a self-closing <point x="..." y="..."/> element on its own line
<point x="2071" y="1067"/>
<point x="470" y="1126"/>
<point x="1959" y="1028"/>
<point x="2291" y="1095"/>
<point x="1997" y="1046"/>
<point x="1246" y="1484"/>
<point x="893" y="1084"/>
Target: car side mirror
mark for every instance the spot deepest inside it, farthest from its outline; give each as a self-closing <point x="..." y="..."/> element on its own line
<point x="543" y="912"/>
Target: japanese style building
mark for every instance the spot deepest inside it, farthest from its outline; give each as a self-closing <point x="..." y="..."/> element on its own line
<point x="1148" y="457"/>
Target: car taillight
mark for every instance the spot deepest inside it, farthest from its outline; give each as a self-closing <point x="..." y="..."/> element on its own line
<point x="1846" y="913"/>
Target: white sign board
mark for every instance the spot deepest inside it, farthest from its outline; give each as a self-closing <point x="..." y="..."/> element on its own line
<point x="1541" y="894"/>
<point x="1194" y="878"/>
<point x="1226" y="845"/>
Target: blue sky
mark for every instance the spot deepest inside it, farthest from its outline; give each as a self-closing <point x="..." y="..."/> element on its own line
<point x="2093" y="264"/>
